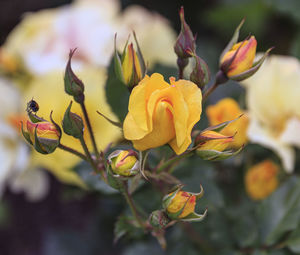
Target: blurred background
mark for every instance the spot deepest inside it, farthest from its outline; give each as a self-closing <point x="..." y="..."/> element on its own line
<point x="70" y="220"/>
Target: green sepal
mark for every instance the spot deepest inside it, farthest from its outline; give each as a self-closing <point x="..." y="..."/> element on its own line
<point x="37" y="145"/>
<point x="26" y="134"/>
<point x="168" y="198"/>
<point x="140" y="56"/>
<point x="56" y="125"/>
<point x="73" y="85"/>
<point x="117" y="62"/>
<point x="199" y="194"/>
<point x="244" y="75"/>
<point x="221" y="126"/>
<point x="116" y="182"/>
<point x="233" y="40"/>
<point x="34" y="118"/>
<point x="194" y="217"/>
<point x="214" y="155"/>
<point x="72" y="123"/>
<point x="115" y="123"/>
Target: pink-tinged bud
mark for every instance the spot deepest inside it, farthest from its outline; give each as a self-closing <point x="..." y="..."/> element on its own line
<point x="180" y="205"/>
<point x="182" y="201"/>
<point x="44" y="136"/>
<point x="124" y="163"/>
<point x="185" y="42"/>
<point x="239" y="58"/>
<point x="211" y="140"/>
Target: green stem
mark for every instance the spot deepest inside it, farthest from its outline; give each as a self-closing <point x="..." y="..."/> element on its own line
<point x="209" y="91"/>
<point x="89" y="126"/>
<point x="68" y="149"/>
<point x="132" y="206"/>
<point x="172" y="161"/>
<point x="90" y="159"/>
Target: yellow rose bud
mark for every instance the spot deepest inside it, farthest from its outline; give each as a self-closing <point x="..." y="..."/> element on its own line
<point x="183" y="200"/>
<point x="131" y="66"/>
<point x="123" y="162"/>
<point x="212" y="140"/>
<point x="261" y="180"/>
<point x="225" y="110"/>
<point x="161" y="113"/>
<point x="240" y="57"/>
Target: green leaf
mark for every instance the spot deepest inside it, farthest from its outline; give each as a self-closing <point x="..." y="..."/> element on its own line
<point x="293" y="242"/>
<point x="117" y="94"/>
<point x="125" y="225"/>
<point x="280" y="213"/>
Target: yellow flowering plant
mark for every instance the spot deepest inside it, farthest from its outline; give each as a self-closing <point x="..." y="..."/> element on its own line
<point x="161" y="116"/>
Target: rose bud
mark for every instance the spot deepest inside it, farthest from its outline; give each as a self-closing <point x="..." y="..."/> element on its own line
<point x="72" y="123"/>
<point x="130" y="68"/>
<point x="73" y="85"/>
<point x="211" y="140"/>
<point x="200" y="74"/>
<point x="180" y="205"/>
<point x="185" y="42"/>
<point x="237" y="59"/>
<point x="124" y="163"/>
<point x="44" y="136"/>
<point x="261" y="180"/>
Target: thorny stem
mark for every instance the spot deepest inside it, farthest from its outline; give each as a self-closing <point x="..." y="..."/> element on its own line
<point x="132" y="206"/>
<point x="77" y="153"/>
<point x="88" y="123"/>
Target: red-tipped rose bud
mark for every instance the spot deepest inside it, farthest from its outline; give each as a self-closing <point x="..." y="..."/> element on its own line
<point x="44" y="136"/>
<point x="185" y="42"/>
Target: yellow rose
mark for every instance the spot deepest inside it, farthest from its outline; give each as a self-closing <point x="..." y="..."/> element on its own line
<point x="161" y="113"/>
<point x="272" y="97"/>
<point x="48" y="91"/>
<point x="261" y="180"/>
<point x="225" y="110"/>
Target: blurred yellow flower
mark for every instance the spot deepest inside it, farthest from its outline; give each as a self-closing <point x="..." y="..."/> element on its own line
<point x="48" y="91"/>
<point x="273" y="96"/>
<point x="161" y="113"/>
<point x="261" y="180"/>
<point x="225" y="110"/>
<point x="43" y="39"/>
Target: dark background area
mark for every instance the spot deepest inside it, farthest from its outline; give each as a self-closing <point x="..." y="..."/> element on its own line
<point x="68" y="216"/>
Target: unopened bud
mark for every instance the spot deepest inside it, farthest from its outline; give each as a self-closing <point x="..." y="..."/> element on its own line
<point x="130" y="68"/>
<point x="159" y="219"/>
<point x="73" y="85"/>
<point x="44" y="136"/>
<point x="72" y="123"/>
<point x="185" y="42"/>
<point x="124" y="162"/>
<point x="211" y="140"/>
<point x="200" y="74"/>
